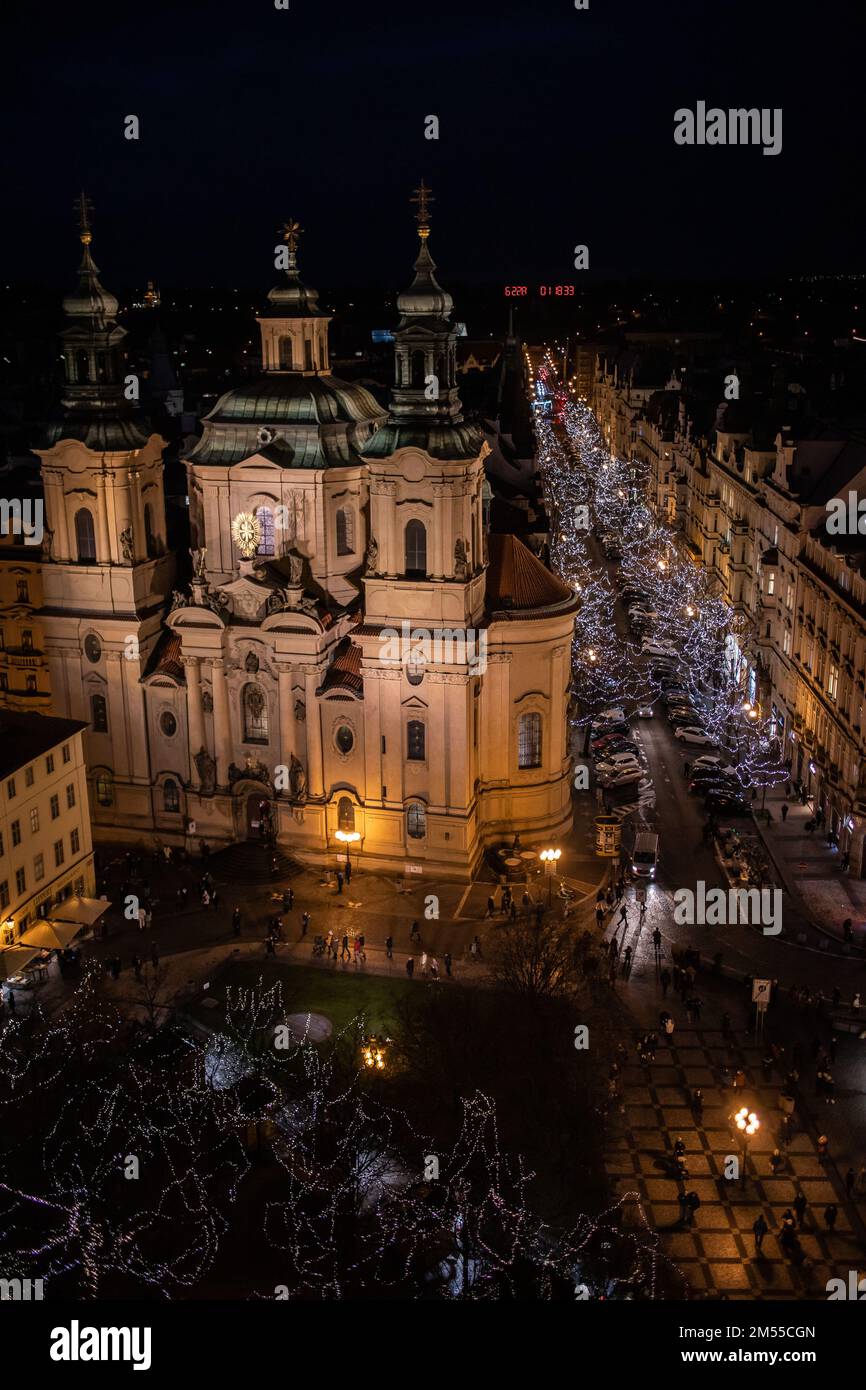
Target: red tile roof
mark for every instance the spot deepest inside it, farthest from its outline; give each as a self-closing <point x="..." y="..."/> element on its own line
<point x="344" y="671"/>
<point x="516" y="579"/>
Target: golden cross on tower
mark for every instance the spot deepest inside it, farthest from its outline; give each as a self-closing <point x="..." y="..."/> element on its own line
<point x="423" y="197"/>
<point x="290" y="231"/>
<point x="84" y="208"/>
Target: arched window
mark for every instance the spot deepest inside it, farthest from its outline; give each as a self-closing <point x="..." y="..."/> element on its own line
<point x="149" y="535"/>
<point x="98" y="714"/>
<point x="170" y="795"/>
<point x="255" y="707"/>
<point x="105" y="789"/>
<point x="416" y="821"/>
<point x="345" y="531"/>
<point x="265" y="518"/>
<point x="345" y="814"/>
<point x="418" y="369"/>
<point x="85" y="539"/>
<point x="416" y="547"/>
<point x="415" y="741"/>
<point x="529" y="741"/>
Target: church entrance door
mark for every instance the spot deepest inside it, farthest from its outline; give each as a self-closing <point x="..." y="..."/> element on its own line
<point x="259" y="817"/>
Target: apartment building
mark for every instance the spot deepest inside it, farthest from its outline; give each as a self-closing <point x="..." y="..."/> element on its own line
<point x="46" y="850"/>
<point x="751" y="502"/>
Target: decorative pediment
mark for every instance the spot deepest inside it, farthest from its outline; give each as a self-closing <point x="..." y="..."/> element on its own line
<point x="246" y="598"/>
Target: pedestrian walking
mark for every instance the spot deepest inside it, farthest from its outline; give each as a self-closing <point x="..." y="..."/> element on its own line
<point x="434" y="969"/>
<point x="447" y="960"/>
<point x="410" y="967"/>
<point x="599" y="915"/>
<point x="205" y="898"/>
<point x="389" y="947"/>
<point x="362" y="946"/>
<point x="784" y="812"/>
<point x="491" y="907"/>
<point x="269" y="945"/>
<point x="414" y="932"/>
<point x="665" y="979"/>
<point x="345" y="953"/>
<point x="759" y="1230"/>
<point x="739" y="1081"/>
<point x="823" y="1146"/>
<point x="831" y="1211"/>
<point x="348" y="872"/>
<point x="850" y="1179"/>
<point x="288" y="899"/>
<point x="626" y="961"/>
<point x="623" y="914"/>
<point x="424" y="963"/>
<point x="305" y="924"/>
<point x="339" y="882"/>
<point x="698" y="1103"/>
<point x="800" y="1205"/>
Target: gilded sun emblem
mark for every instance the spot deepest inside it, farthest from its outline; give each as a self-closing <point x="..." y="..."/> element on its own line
<point x="247" y="534"/>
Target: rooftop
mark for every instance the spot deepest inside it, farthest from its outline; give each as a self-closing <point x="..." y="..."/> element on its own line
<point x="517" y="580"/>
<point x="24" y="737"/>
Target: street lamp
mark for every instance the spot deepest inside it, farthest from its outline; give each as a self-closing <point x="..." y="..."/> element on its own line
<point x="550" y="858"/>
<point x="347" y="838"/>
<point x="748" y="1124"/>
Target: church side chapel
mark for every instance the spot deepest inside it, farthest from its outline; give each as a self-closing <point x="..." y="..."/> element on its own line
<point x="265" y="696"/>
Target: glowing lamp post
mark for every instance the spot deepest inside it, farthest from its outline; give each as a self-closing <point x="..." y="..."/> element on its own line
<point x="550" y="858"/>
<point x="748" y="1124"/>
<point x="347" y="838"/>
<point x="373" y="1054"/>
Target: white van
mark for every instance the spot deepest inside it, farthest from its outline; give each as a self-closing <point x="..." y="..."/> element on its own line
<point x="645" y="855"/>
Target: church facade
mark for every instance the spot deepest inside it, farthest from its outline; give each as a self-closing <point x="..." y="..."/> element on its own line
<point x="355" y="656"/>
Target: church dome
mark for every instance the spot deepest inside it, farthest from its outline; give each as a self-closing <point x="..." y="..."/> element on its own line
<point x="90" y="300"/>
<point x="298" y="421"/>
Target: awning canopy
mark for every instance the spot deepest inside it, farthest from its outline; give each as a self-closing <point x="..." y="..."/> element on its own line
<point x="84" y="911"/>
<point x="52" y="935"/>
<point x="14" y="958"/>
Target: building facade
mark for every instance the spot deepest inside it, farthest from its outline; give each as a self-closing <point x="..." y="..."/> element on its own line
<point x="752" y="507"/>
<point x="46" y="850"/>
<point x="353" y="654"/>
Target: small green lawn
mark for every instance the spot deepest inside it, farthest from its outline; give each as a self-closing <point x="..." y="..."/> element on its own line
<point x="339" y="995"/>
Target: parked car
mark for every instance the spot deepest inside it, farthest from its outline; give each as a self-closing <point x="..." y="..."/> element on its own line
<point x="618" y="760"/>
<point x="715" y="760"/>
<point x="728" y="802"/>
<point x="714" y="782"/>
<point x="682" y="718"/>
<point x="691" y="734"/>
<point x="614" y="713"/>
<point x="610" y="731"/>
<point x="628" y="778"/>
<point x="650" y="648"/>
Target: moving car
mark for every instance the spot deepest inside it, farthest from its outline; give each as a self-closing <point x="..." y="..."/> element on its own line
<point x="645" y="855"/>
<point x="690" y="733"/>
<point x="646" y="712"/>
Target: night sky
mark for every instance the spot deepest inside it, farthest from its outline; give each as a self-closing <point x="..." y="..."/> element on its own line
<point x="556" y="128"/>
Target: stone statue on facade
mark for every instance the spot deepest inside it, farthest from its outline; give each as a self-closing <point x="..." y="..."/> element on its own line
<point x="206" y="769"/>
<point x="126" y="545"/>
<point x="178" y="599"/>
<point x="371" y="559"/>
<point x="198" y="562"/>
<point x="297" y="779"/>
<point x="461" y="564"/>
<point x="296" y="569"/>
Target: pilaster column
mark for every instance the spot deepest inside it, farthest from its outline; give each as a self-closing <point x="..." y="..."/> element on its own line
<point x="103" y="544"/>
<point x="288" y="732"/>
<point x="221" y="725"/>
<point x="437" y="558"/>
<point x="194" y="715"/>
<point x="118" y="724"/>
<point x="315" y="776"/>
<point x="57" y="517"/>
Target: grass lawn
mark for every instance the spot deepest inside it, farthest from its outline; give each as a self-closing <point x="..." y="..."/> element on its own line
<point x="339" y="995"/>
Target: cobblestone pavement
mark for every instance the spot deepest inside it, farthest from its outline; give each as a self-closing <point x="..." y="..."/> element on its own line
<point x="717" y="1253"/>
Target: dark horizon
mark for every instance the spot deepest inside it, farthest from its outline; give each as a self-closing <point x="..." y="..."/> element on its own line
<point x="556" y="129"/>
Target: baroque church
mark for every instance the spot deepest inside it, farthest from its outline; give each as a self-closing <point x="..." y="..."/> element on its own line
<point x="266" y="696"/>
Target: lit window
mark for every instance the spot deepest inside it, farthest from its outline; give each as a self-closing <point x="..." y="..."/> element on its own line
<point x="265" y="518"/>
<point x="416" y="822"/>
<point x="345" y="814"/>
<point x="104" y="789"/>
<point x="34" y="820"/>
<point x="529" y="741"/>
<point x="170" y="795"/>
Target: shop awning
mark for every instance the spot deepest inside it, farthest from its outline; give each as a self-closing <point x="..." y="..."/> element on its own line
<point x="84" y="911"/>
<point x="14" y="958"/>
<point x="51" y="935"/>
